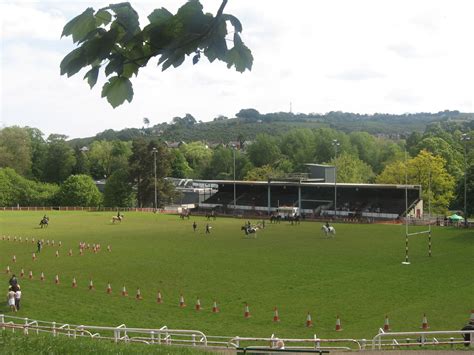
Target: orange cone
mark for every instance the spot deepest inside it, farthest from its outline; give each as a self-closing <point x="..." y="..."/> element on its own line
<point x="91" y="284"/>
<point x="309" y="321"/>
<point x="139" y="294"/>
<point x="338" y="324"/>
<point x="26" y="239"/>
<point x="42" y="276"/>
<point x="74" y="283"/>
<point x="7" y="269"/>
<point x="159" y="299"/>
<point x="215" y="309"/>
<point x="14" y="239"/>
<point x="57" y="253"/>
<point x="386" y="325"/>
<point x="52" y="242"/>
<point x="109" y="248"/>
<point x="276" y="317"/>
<point x="59" y="243"/>
<point x="22" y="273"/>
<point x="32" y="240"/>
<point x="181" y="301"/>
<point x="14" y="258"/>
<point x="424" y="323"/>
<point x="81" y="252"/>
<point x="30" y="275"/>
<point x="109" y="288"/>
<point x="70" y="252"/>
<point x="247" y="311"/>
<point x="198" y="305"/>
<point x="20" y="240"/>
<point x="56" y="280"/>
<point x="33" y="256"/>
<point x="124" y="291"/>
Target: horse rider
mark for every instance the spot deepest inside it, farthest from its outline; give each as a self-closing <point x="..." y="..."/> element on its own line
<point x="327" y="225"/>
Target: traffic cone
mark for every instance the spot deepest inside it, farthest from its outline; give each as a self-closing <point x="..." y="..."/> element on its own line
<point x="276" y="317"/>
<point x="338" y="324"/>
<point x="424" y="324"/>
<point x="30" y="275"/>
<point x="74" y="283"/>
<point x="198" y="305"/>
<point x="22" y="273"/>
<point x="14" y="239"/>
<point x="386" y="325"/>
<point x="32" y="240"/>
<point x="139" y="294"/>
<point x="215" y="309"/>
<point x="56" y="280"/>
<point x="109" y="288"/>
<point x="309" y="321"/>
<point x="42" y="277"/>
<point x="33" y="256"/>
<point x="91" y="284"/>
<point x="181" y="301"/>
<point x="14" y="258"/>
<point x="57" y="253"/>
<point x="52" y="242"/>
<point x="59" y="243"/>
<point x="70" y="252"/>
<point x="47" y="242"/>
<point x="7" y="269"/>
<point x="247" y="311"/>
<point x="159" y="299"/>
<point x="124" y="291"/>
<point x="20" y="240"/>
<point x="81" y="252"/>
<point x="109" y="248"/>
<point x="26" y="240"/>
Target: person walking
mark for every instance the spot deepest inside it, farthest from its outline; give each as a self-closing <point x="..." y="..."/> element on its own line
<point x="194" y="226"/>
<point x="39" y="245"/>
<point x="208" y="228"/>
<point x="11" y="299"/>
<point x="17" y="297"/>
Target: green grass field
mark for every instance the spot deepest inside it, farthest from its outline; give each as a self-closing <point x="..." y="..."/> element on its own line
<point x="357" y="275"/>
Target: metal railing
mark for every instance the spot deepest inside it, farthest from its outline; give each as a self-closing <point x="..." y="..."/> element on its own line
<point x="195" y="338"/>
<point x="398" y="340"/>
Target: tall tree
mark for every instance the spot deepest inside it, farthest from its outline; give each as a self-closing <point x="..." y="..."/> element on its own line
<point x="427" y="170"/>
<point x="60" y="159"/>
<point x="298" y="145"/>
<point x="111" y="39"/>
<point x="118" y="190"/>
<point x="39" y="150"/>
<point x="351" y="169"/>
<point x="15" y="149"/>
<point x="198" y="156"/>
<point x="142" y="172"/>
<point x="264" y="150"/>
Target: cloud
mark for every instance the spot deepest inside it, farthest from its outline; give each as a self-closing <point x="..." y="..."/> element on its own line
<point x="404" y="50"/>
<point x="357" y="74"/>
<point x="405" y="97"/>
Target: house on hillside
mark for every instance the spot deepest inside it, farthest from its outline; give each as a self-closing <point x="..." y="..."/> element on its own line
<point x="174" y="145"/>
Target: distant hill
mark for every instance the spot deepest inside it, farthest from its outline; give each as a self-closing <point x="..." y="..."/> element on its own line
<point x="249" y="122"/>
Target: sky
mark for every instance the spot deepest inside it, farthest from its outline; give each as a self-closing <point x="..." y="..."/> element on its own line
<point x="364" y="56"/>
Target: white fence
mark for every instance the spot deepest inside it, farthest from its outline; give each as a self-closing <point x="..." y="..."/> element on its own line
<point x="180" y="337"/>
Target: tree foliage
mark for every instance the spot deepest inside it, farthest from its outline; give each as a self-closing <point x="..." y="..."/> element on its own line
<point x="17" y="190"/>
<point x="15" y="149"/>
<point x="111" y="40"/>
<point x="118" y="190"/>
<point x="351" y="169"/>
<point x="79" y="190"/>
<point x="427" y="170"/>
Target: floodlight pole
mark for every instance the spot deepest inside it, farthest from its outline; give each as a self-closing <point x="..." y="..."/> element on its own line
<point x="335" y="143"/>
<point x="465" y="138"/>
<point x="233" y="150"/>
<point x="154" y="150"/>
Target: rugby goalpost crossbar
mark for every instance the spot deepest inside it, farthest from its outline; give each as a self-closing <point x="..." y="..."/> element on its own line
<point x="428" y="231"/>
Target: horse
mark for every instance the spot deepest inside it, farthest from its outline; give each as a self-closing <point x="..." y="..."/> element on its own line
<point x="275" y="219"/>
<point x="44" y="222"/>
<point x="117" y="218"/>
<point x="295" y="219"/>
<point x="249" y="229"/>
<point x="328" y="230"/>
<point x="185" y="214"/>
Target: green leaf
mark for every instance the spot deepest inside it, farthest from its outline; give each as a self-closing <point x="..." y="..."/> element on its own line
<point x="129" y="69"/>
<point x="103" y="17"/>
<point x="234" y="21"/>
<point x="159" y="16"/>
<point x="117" y="90"/>
<point x="115" y="65"/>
<point x="80" y="26"/>
<point x="126" y="18"/>
<point x="92" y="75"/>
<point x="73" y="62"/>
<point x="239" y="56"/>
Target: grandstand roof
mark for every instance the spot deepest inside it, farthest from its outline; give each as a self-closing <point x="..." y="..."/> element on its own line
<point x="307" y="183"/>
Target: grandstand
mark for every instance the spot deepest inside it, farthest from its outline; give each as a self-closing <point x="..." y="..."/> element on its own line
<point x="313" y="195"/>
